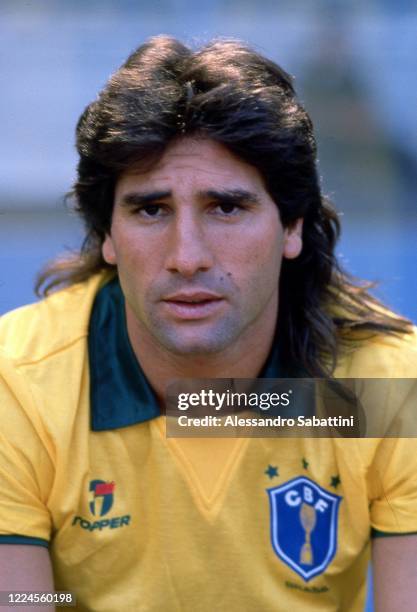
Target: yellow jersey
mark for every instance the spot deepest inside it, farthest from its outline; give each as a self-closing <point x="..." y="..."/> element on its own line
<point x="135" y="520"/>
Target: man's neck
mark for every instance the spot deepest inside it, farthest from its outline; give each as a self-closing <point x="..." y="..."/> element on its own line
<point x="244" y="359"/>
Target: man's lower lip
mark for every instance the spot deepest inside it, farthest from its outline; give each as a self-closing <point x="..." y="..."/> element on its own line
<point x="192" y="310"/>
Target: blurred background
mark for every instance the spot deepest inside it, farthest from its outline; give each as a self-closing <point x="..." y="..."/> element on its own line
<point x="355" y="65"/>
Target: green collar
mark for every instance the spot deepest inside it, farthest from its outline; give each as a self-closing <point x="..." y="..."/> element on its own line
<point x="120" y="394"/>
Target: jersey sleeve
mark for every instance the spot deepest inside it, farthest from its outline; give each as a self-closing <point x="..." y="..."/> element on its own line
<point x="26" y="465"/>
<point x="393" y="480"/>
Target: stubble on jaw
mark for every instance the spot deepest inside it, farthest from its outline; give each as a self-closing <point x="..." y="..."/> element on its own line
<point x="229" y="341"/>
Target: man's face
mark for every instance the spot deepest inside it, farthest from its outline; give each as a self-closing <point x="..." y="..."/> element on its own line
<point x="198" y="244"/>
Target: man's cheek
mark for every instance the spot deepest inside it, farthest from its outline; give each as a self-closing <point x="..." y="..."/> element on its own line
<point x="263" y="258"/>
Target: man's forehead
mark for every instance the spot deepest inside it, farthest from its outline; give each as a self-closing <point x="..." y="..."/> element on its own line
<point x="193" y="160"/>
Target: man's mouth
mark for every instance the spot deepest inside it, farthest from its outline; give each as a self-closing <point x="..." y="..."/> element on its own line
<point x="191" y="306"/>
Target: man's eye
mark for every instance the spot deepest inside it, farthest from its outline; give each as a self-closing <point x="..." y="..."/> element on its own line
<point x="228" y="209"/>
<point x="150" y="210"/>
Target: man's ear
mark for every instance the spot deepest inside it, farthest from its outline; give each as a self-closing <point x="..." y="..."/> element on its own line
<point x="293" y="240"/>
<point x="107" y="250"/>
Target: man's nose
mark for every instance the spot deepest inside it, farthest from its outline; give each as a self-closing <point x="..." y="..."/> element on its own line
<point x="188" y="249"/>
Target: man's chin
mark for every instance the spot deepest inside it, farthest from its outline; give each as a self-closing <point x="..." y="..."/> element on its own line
<point x="199" y="349"/>
<point x="197" y="345"/>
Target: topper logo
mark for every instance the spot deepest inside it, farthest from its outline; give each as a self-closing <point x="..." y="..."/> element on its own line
<point x="102" y="497"/>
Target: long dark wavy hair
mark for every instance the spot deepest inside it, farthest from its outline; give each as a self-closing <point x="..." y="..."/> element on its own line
<point x="231" y="94"/>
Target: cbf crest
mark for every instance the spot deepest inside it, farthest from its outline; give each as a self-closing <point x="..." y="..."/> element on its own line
<point x="304" y="521"/>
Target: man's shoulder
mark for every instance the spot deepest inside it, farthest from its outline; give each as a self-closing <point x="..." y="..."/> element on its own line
<point x="380" y="356"/>
<point x="32" y="333"/>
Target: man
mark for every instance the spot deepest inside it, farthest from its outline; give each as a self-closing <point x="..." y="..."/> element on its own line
<point x="208" y="253"/>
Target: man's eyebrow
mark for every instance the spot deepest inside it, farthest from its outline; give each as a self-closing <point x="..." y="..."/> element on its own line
<point x="137" y="198"/>
<point x="232" y="196"/>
